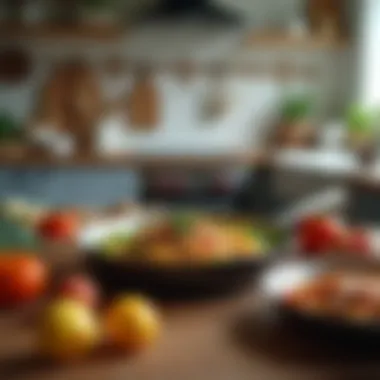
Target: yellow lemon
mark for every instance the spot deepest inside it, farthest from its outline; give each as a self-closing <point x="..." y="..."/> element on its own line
<point x="69" y="330"/>
<point x="132" y="323"/>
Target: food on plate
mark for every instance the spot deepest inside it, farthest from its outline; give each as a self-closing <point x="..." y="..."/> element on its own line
<point x="69" y="330"/>
<point x="132" y="323"/>
<point x="80" y="288"/>
<point x="342" y="295"/>
<point x="60" y="225"/>
<point x="23" y="278"/>
<point x="320" y="234"/>
<point x="188" y="238"/>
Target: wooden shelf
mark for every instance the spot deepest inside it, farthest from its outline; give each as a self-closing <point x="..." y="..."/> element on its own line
<point x="54" y="31"/>
<point x="136" y="161"/>
<point x="284" y="41"/>
<point x="330" y="165"/>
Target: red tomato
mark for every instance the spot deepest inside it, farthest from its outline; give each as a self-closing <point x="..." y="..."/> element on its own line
<point x="23" y="278"/>
<point x="80" y="288"/>
<point x="358" y="242"/>
<point x="319" y="234"/>
<point x="59" y="226"/>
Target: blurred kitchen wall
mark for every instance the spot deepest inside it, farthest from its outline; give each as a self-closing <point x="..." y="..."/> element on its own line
<point x="93" y="186"/>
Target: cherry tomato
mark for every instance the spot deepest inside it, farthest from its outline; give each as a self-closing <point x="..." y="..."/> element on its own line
<point x="23" y="278"/>
<point x="59" y="226"/>
<point x="319" y="234"/>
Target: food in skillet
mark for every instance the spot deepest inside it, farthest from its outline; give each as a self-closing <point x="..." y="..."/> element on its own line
<point x="185" y="239"/>
<point x="341" y="295"/>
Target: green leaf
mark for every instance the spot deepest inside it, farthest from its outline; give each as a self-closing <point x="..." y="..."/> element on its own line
<point x="270" y="236"/>
<point x="116" y="244"/>
<point x="296" y="108"/>
<point x="359" y="119"/>
<point x="182" y="221"/>
<point x="9" y="129"/>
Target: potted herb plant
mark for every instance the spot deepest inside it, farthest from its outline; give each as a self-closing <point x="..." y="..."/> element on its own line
<point x="11" y="141"/>
<point x="295" y="128"/>
<point x="361" y="136"/>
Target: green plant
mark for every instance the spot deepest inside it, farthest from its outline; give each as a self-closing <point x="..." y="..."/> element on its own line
<point x="296" y="108"/>
<point x="360" y="119"/>
<point x="9" y="129"/>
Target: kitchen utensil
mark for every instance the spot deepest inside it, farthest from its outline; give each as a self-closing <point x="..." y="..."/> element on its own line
<point x="185" y="70"/>
<point x="215" y="102"/>
<point x="326" y="17"/>
<point x="71" y="102"/>
<point x="143" y="102"/>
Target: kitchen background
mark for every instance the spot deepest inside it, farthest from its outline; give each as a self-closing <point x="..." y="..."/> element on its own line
<point x="253" y="88"/>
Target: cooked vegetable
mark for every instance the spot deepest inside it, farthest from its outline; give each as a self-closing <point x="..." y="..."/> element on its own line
<point x="189" y="238"/>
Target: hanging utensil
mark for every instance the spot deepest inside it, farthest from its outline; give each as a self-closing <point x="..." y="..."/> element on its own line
<point x="143" y="102"/>
<point x="185" y="70"/>
<point x="215" y="102"/>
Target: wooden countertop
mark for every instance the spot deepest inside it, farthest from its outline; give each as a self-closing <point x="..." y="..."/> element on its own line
<point x="232" y="338"/>
<point x="221" y="340"/>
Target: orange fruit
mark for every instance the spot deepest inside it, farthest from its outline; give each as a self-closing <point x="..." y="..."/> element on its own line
<point x="69" y="330"/>
<point x="132" y="323"/>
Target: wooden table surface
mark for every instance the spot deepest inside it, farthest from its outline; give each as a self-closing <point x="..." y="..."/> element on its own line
<point x="235" y="338"/>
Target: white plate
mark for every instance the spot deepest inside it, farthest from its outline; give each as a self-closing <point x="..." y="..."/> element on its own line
<point x="282" y="278"/>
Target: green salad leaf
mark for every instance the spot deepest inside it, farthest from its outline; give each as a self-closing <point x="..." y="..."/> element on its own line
<point x="116" y="244"/>
<point x="182" y="221"/>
